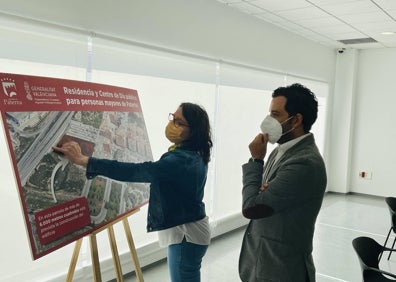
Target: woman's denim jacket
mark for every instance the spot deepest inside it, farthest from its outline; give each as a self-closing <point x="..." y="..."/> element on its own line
<point x="177" y="185"/>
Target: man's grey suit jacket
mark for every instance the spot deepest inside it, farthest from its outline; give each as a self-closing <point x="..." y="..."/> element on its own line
<point x="277" y="245"/>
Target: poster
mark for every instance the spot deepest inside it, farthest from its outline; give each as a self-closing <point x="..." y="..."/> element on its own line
<point x="59" y="204"/>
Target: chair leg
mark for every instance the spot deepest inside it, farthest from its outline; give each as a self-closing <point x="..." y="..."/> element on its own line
<point x="386" y="240"/>
<point x="392" y="248"/>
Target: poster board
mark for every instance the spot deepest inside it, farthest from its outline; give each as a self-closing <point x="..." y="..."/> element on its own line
<point x="59" y="204"/>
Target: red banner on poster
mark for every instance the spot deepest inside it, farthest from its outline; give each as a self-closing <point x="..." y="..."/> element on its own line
<point x="62" y="219"/>
<point x="60" y="205"/>
<point x="30" y="93"/>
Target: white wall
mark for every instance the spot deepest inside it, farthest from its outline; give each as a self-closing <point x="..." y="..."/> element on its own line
<point x="374" y="132"/>
<point x="361" y="132"/>
<point x="205" y="28"/>
<point x="222" y="36"/>
<point x="342" y="117"/>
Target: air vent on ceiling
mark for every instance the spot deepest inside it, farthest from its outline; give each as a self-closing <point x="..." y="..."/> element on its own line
<point x="358" y="40"/>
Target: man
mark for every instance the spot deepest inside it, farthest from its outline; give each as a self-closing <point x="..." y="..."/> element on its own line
<point x="283" y="198"/>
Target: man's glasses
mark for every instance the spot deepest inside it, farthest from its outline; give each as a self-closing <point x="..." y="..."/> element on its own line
<point x="176" y="122"/>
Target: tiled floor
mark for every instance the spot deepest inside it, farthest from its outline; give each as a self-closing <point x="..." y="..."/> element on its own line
<point x="341" y="219"/>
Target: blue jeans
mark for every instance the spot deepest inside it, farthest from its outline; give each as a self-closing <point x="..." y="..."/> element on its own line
<point x="184" y="261"/>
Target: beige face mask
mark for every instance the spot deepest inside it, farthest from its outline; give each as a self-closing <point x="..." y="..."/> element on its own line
<point x="173" y="133"/>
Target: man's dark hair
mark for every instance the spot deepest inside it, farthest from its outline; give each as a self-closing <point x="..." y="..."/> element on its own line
<point x="200" y="139"/>
<point x="299" y="99"/>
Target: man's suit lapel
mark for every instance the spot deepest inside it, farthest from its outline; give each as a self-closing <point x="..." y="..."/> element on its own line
<point x="269" y="166"/>
<point x="268" y="173"/>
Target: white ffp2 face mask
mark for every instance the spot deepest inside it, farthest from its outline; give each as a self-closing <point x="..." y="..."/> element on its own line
<point x="273" y="128"/>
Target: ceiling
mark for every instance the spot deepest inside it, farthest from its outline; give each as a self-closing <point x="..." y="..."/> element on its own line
<point x="329" y="21"/>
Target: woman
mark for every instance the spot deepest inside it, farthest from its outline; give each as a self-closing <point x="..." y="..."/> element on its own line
<point x="176" y="207"/>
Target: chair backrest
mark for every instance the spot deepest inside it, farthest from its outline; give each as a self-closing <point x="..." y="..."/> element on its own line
<point x="391" y="202"/>
<point x="368" y="251"/>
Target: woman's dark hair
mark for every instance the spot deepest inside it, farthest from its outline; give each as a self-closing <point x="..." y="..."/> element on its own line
<point x="200" y="139"/>
<point x="299" y="99"/>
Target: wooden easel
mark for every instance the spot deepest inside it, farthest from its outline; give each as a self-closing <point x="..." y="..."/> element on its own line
<point x="114" y="250"/>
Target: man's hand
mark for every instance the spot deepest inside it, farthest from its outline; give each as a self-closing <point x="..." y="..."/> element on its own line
<point x="258" y="147"/>
<point x="263" y="187"/>
<point x="72" y="151"/>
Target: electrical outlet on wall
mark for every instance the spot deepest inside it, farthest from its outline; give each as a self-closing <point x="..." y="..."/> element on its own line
<point x="366" y="175"/>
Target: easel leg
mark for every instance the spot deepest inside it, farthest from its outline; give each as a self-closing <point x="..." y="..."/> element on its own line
<point x="116" y="258"/>
<point x="114" y="250"/>
<point x="95" y="258"/>
<point x="132" y="248"/>
<point x="73" y="261"/>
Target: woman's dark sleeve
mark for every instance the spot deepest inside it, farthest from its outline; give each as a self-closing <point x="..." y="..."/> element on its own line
<point x="122" y="171"/>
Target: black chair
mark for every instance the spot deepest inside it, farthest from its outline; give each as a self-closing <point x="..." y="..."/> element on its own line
<point x="391" y="202"/>
<point x="368" y="251"/>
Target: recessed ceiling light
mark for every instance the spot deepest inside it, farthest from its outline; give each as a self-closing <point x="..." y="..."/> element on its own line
<point x="388" y="33"/>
